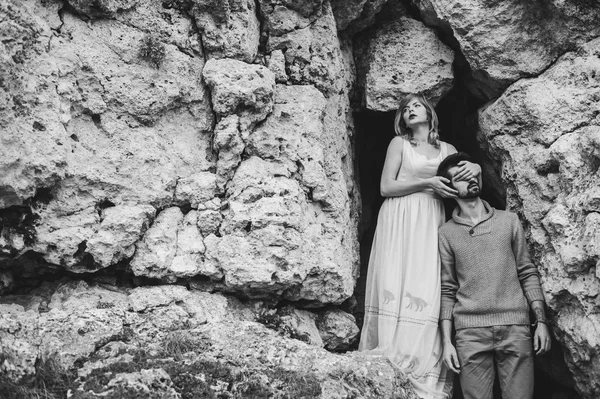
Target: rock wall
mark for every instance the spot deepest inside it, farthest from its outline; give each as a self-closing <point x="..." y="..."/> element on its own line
<point x="544" y="133"/>
<point x="211" y="144"/>
<point x="538" y="64"/>
<point x="159" y="136"/>
<point x="504" y="41"/>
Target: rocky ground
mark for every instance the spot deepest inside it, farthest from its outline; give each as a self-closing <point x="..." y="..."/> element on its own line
<point x="86" y="341"/>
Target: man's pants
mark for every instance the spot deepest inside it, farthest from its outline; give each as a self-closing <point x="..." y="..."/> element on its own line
<point x="508" y="348"/>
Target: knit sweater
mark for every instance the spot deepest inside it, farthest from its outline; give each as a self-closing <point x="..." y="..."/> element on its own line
<point x="487" y="276"/>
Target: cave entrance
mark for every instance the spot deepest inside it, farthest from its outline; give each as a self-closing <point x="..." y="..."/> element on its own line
<point x="457" y="113"/>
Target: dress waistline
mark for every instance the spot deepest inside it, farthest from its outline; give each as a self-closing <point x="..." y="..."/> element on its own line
<point x="425" y="194"/>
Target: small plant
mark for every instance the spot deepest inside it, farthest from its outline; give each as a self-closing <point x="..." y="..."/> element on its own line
<point x="152" y="50"/>
<point x="178" y="343"/>
<point x="50" y="381"/>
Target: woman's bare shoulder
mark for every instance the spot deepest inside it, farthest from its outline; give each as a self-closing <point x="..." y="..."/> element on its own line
<point x="398" y="142"/>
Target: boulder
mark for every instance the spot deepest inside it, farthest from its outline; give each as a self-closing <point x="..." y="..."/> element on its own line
<point x="146" y="299"/>
<point x="230" y="29"/>
<point x="196" y="189"/>
<point x="120" y="228"/>
<point x="62" y="236"/>
<point x="286" y="16"/>
<point x="276" y="63"/>
<point x="312" y="53"/>
<point x="338" y="329"/>
<point x="346" y="11"/>
<point x="272" y="224"/>
<point x="155" y="253"/>
<point x="544" y="135"/>
<point x="82" y="149"/>
<point x="79" y="320"/>
<point x="504" y="41"/>
<point x="209" y="221"/>
<point x="401" y="57"/>
<point x="240" y="89"/>
<point x="230" y="144"/>
<point x="171" y="25"/>
<point x="34" y="143"/>
<point x="172" y="248"/>
<point x="356" y="15"/>
<point x="300" y="324"/>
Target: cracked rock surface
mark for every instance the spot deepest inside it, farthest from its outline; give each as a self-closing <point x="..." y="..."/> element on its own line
<point x="150" y="162"/>
<point x="168" y="156"/>
<point x="544" y="134"/>
<point x="148" y="339"/>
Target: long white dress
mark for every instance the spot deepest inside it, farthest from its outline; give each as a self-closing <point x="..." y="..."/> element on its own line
<point x="402" y="299"/>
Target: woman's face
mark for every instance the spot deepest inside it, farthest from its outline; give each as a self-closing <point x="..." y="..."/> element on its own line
<point x="414" y="113"/>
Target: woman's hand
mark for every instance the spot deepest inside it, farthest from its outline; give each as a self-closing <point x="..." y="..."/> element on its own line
<point x="439" y="185"/>
<point x="467" y="170"/>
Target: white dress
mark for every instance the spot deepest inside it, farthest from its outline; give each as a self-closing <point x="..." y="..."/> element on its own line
<point x="402" y="299"/>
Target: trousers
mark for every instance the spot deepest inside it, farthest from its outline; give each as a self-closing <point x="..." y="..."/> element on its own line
<point x="484" y="350"/>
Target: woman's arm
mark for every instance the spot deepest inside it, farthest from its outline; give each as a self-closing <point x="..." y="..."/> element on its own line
<point x="390" y="187"/>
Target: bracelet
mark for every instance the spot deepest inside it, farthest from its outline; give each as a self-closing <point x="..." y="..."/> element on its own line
<point x="538" y="322"/>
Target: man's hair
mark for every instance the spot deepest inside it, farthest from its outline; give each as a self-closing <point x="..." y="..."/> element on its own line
<point x="451" y="161"/>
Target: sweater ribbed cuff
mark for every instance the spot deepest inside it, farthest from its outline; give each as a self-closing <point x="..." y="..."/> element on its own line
<point x="446" y="310"/>
<point x="535" y="294"/>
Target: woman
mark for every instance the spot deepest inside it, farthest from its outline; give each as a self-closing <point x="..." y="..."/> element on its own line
<point x="402" y="299"/>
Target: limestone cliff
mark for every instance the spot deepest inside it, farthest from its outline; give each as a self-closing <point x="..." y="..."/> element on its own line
<point x="176" y="154"/>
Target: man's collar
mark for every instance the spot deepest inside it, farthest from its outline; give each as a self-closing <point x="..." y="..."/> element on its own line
<point x="489" y="212"/>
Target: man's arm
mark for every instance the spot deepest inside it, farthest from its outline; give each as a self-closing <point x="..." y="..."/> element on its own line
<point x="541" y="337"/>
<point x="450" y="355"/>
<point x="530" y="282"/>
<point x="448" y="276"/>
<point x="449" y="287"/>
<point x="528" y="274"/>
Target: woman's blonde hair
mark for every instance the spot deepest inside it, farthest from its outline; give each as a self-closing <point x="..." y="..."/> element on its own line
<point x="400" y="125"/>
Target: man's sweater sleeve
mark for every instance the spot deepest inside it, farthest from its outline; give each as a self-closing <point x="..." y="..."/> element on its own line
<point x="526" y="270"/>
<point x="449" y="282"/>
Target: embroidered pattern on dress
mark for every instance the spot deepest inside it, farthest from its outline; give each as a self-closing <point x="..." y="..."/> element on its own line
<point x="414" y="301"/>
<point x="374" y="310"/>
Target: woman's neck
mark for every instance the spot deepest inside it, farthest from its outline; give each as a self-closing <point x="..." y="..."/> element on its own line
<point x="420" y="133"/>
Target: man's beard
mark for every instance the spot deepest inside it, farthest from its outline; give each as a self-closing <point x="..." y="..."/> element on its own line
<point x="473" y="191"/>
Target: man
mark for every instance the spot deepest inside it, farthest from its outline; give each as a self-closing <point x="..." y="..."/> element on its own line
<point x="488" y="287"/>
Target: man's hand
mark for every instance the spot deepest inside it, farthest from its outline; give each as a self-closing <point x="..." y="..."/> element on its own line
<point x="541" y="339"/>
<point x="451" y="358"/>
